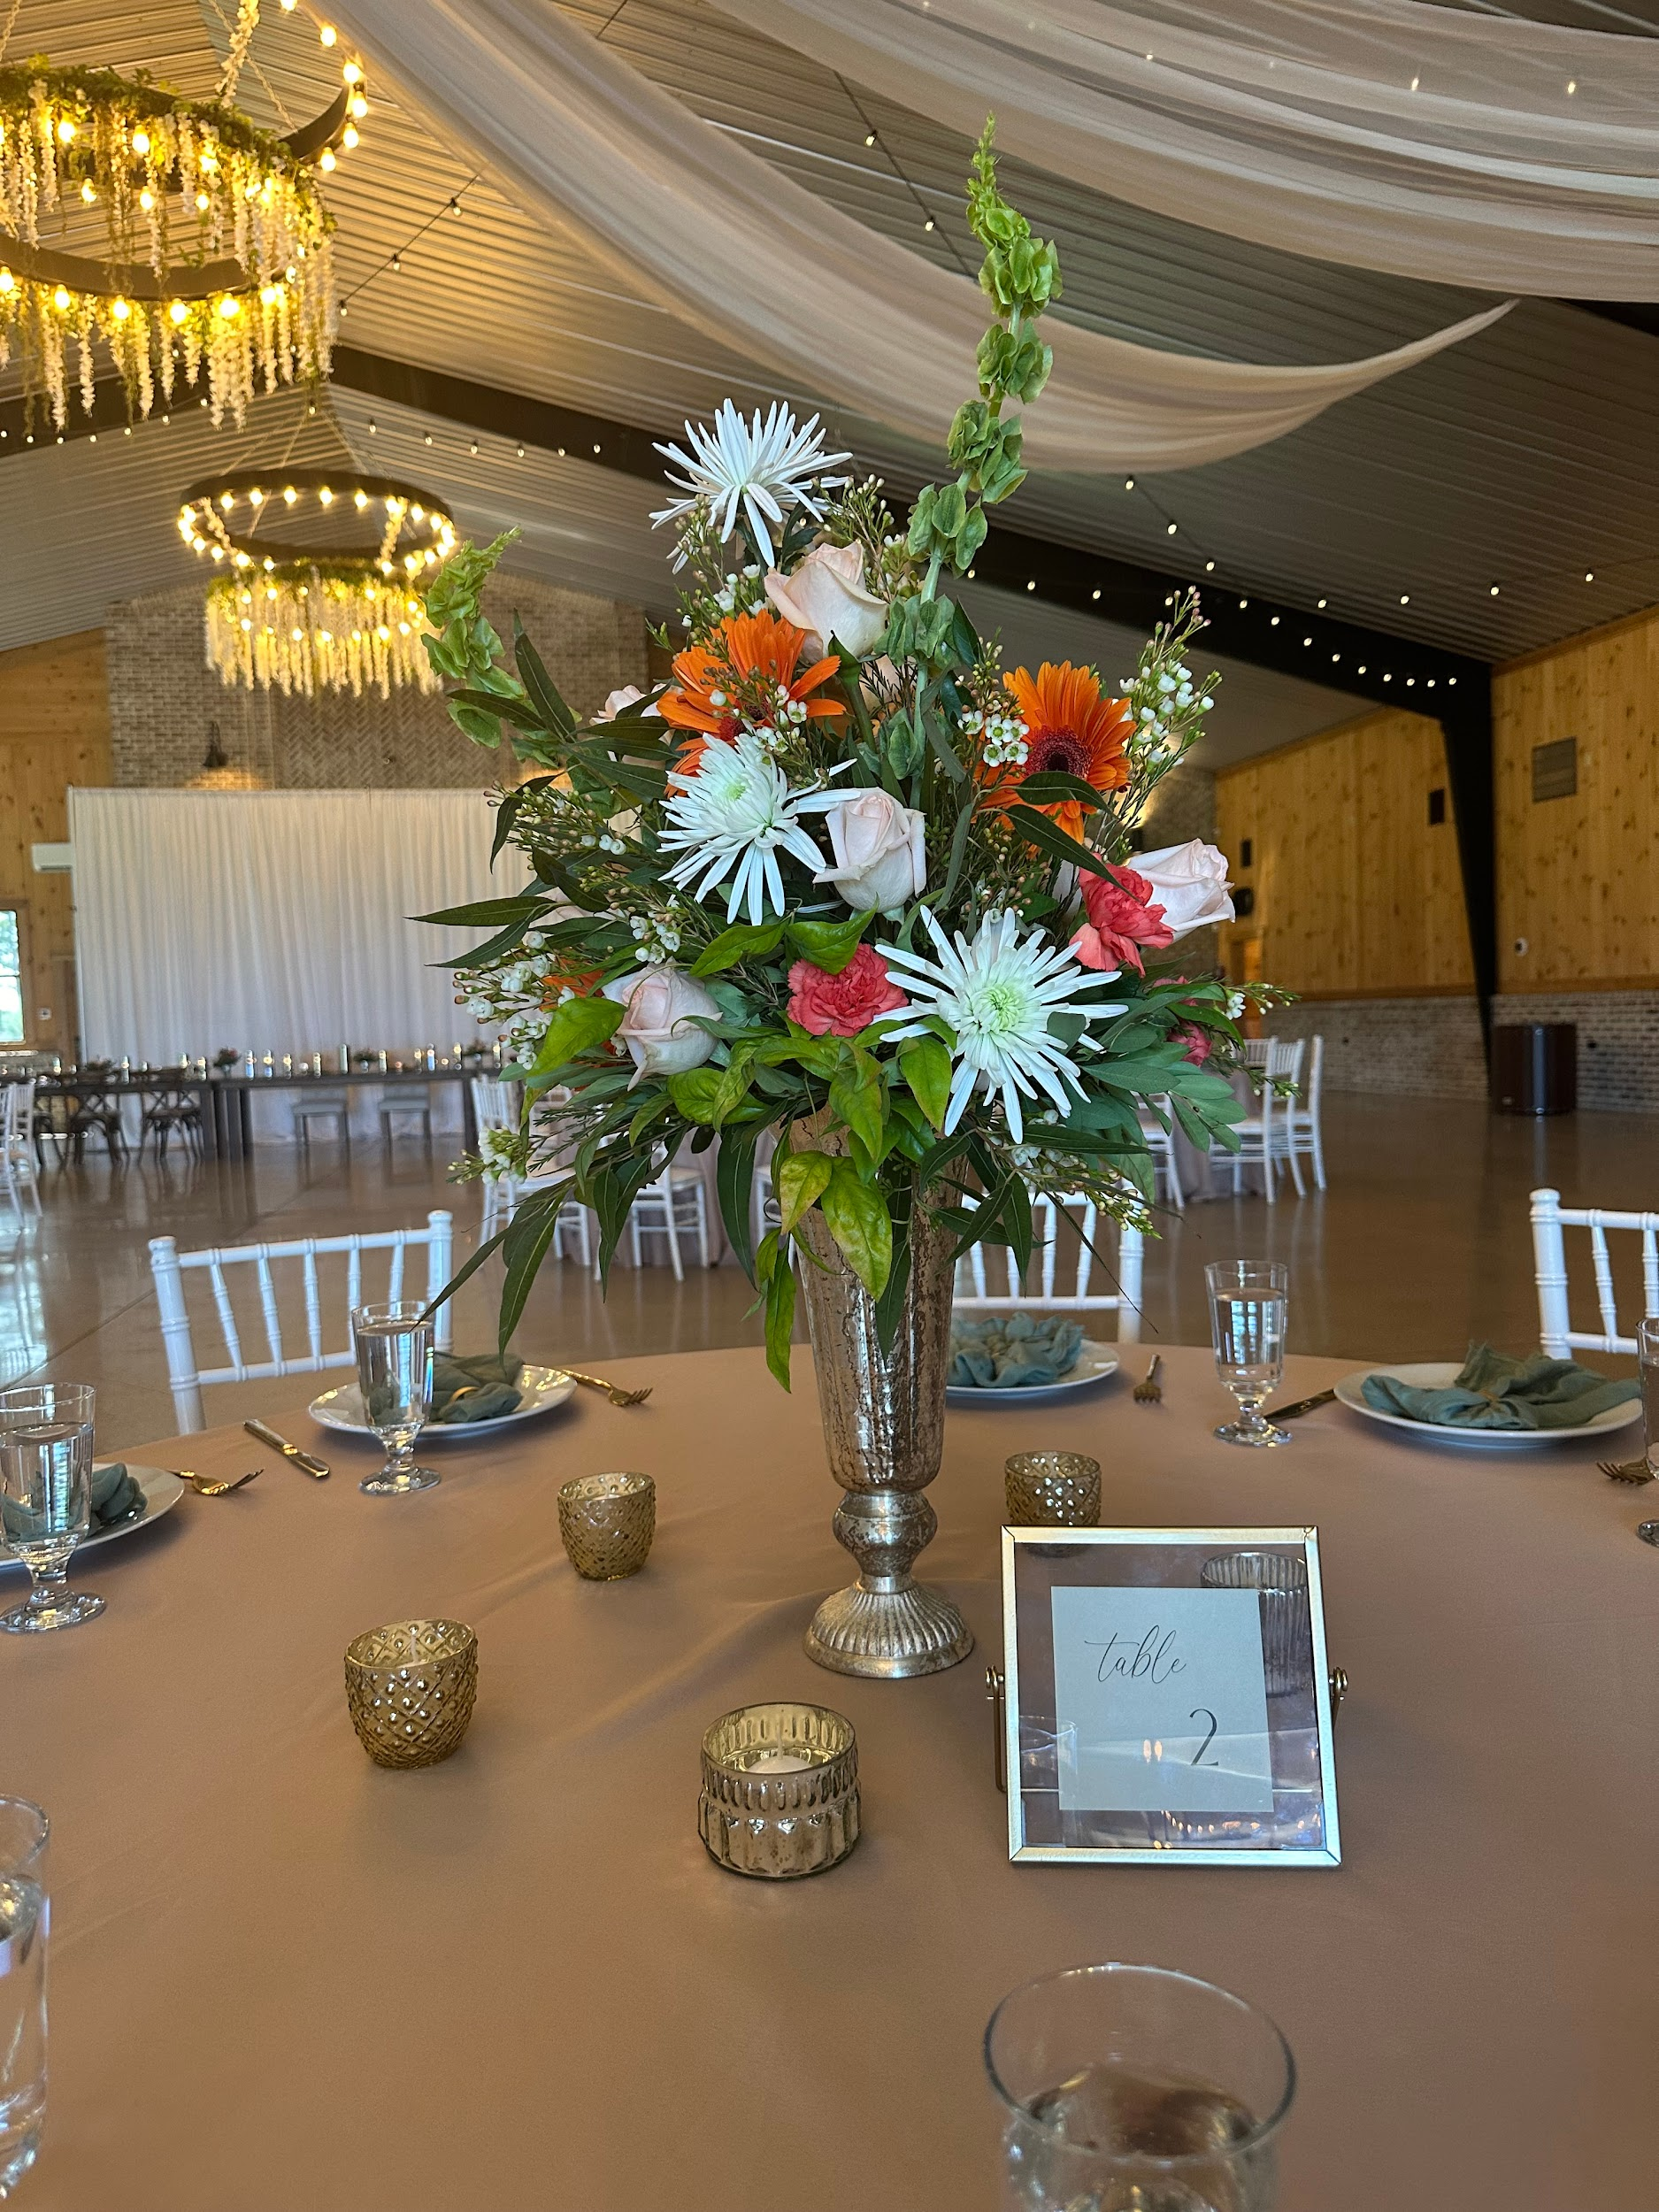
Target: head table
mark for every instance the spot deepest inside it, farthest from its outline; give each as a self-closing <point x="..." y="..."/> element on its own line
<point x="284" y="1978"/>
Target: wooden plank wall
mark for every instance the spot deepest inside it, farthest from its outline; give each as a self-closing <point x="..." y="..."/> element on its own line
<point x="1578" y="877"/>
<point x="1357" y="894"/>
<point x="54" y="730"/>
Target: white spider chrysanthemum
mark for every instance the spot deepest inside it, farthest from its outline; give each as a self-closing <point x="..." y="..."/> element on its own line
<point x="998" y="994"/>
<point x="761" y="466"/>
<point x="736" y="810"/>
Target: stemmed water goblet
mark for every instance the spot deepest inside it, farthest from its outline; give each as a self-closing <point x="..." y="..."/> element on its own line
<point x="1247" y="1303"/>
<point x="46" y="1498"/>
<point x="395" y="1347"/>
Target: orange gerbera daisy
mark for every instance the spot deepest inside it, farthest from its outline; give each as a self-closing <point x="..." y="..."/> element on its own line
<point x="749" y="674"/>
<point x="1069" y="727"/>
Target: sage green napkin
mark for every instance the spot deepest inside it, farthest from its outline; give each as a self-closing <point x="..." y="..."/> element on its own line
<point x="478" y="1388"/>
<point x="1020" y="1352"/>
<point x="116" y="1496"/>
<point x="1496" y="1392"/>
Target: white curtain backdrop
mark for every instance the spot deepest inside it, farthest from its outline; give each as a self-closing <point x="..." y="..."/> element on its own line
<point x="1469" y="148"/>
<point x="276" y="921"/>
<point x="727" y="242"/>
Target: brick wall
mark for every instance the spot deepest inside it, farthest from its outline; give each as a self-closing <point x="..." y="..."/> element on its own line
<point x="1431" y="1047"/>
<point x="1428" y="1048"/>
<point x="163" y="696"/>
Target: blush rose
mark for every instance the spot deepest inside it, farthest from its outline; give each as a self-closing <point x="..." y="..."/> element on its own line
<point x="841" y="1005"/>
<point x="880" y="850"/>
<point x="657" y="1002"/>
<point x="1190" y="881"/>
<point x="826" y="597"/>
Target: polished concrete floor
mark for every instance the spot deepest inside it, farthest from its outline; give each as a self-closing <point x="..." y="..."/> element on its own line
<point x="1420" y="1243"/>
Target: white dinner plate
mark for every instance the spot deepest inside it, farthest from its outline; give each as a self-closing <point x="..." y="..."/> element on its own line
<point x="1434" y="1375"/>
<point x="542" y="1388"/>
<point x="160" y="1489"/>
<point x="1094" y="1363"/>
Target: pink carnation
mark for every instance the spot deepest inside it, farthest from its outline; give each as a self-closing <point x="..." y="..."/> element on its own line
<point x="841" y="1005"/>
<point x="1121" y="921"/>
<point x="1195" y="1041"/>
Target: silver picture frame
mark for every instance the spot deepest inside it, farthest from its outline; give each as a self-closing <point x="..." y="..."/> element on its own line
<point x="1301" y="1829"/>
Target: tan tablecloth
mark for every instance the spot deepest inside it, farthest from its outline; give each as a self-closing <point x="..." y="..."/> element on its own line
<point x="286" y="1981"/>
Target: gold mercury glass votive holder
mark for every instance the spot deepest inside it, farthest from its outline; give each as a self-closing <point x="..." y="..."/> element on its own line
<point x="780" y="1791"/>
<point x="607" y="1523"/>
<point x="1052" y="1490"/>
<point x="409" y="1688"/>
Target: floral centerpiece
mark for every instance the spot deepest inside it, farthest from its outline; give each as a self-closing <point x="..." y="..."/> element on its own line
<point x="846" y="887"/>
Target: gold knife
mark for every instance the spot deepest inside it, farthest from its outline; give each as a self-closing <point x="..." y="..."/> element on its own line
<point x="316" y="1468"/>
<point x="1302" y="1405"/>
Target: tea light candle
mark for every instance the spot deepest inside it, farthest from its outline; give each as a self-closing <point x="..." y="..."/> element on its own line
<point x="780" y="1791"/>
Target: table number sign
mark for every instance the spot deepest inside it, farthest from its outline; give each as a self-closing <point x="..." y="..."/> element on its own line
<point x="1168" y="1696"/>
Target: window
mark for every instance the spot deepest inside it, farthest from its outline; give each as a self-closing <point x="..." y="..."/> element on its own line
<point x="11" y="977"/>
<point x="1436" y="806"/>
<point x="1244" y="852"/>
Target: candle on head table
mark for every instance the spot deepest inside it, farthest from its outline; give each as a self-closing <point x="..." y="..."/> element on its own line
<point x="780" y="1763"/>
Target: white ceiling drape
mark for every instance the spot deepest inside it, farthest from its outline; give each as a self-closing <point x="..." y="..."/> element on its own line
<point x="278" y="921"/>
<point x="566" y="127"/>
<point x="1389" y="135"/>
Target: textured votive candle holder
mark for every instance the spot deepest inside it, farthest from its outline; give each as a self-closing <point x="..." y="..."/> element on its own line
<point x="780" y="1791"/>
<point x="607" y="1523"/>
<point x="1052" y="1490"/>
<point x="409" y="1688"/>
<point x="1287" y="1627"/>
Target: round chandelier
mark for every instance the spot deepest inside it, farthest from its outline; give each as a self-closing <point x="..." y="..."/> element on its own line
<point x="214" y="263"/>
<point x="319" y="615"/>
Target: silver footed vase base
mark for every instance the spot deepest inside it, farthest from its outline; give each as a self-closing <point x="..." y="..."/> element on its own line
<point x="890" y="1634"/>
<point x="887" y="1624"/>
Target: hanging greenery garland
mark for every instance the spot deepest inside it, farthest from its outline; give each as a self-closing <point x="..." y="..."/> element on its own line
<point x="215" y="260"/>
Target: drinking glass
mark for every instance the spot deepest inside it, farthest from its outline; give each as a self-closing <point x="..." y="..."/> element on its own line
<point x="1648" y="1353"/>
<point x="46" y="1498"/>
<point x="1136" y="2089"/>
<point x="1248" y="1300"/>
<point x="25" y="1918"/>
<point x="394" y="1345"/>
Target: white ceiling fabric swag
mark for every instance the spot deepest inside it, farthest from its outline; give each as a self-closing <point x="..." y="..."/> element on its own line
<point x="568" y="129"/>
<point x="1388" y="134"/>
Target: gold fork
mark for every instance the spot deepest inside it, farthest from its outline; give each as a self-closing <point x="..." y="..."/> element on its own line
<point x="613" y="1391"/>
<point x="206" y="1488"/>
<point x="1631" y="1470"/>
<point x="1151" y="1390"/>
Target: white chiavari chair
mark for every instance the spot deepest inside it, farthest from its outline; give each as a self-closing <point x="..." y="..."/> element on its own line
<point x="1160" y="1142"/>
<point x="1264" y="1135"/>
<point x="1302" y="1123"/>
<point x="675" y="1205"/>
<point x="1036" y="1289"/>
<point x="1550" y="1218"/>
<point x="168" y="1265"/>
<point x="16" y="1145"/>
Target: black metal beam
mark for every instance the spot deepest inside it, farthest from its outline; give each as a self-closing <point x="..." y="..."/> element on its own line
<point x="1375" y="665"/>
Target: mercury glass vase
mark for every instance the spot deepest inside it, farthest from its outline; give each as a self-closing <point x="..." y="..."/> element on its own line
<point x="884" y="1431"/>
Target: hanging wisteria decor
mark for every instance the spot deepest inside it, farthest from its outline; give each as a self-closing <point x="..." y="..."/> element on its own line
<point x="308" y="619"/>
<point x="215" y="261"/>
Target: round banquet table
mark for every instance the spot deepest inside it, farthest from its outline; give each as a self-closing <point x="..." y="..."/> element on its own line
<point x="284" y="1979"/>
